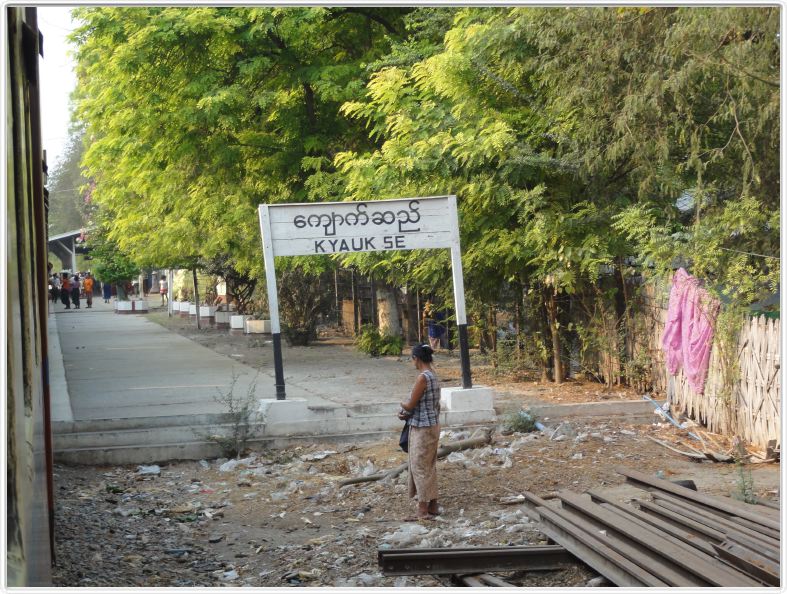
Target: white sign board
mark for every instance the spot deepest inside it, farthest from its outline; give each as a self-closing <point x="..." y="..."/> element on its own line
<point x="346" y="227"/>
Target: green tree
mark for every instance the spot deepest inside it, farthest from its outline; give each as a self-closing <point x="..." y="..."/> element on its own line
<point x="111" y="266"/>
<point x="196" y="115"/>
<point x="67" y="208"/>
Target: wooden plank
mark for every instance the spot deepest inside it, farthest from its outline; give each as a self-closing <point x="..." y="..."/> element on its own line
<point x="587" y="547"/>
<point x="728" y="505"/>
<point x="657" y="543"/>
<point x="720" y="523"/>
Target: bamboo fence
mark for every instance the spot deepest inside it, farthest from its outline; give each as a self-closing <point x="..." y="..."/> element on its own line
<point x="752" y="409"/>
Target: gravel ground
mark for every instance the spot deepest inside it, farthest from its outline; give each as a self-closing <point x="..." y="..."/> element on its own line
<point x="279" y="518"/>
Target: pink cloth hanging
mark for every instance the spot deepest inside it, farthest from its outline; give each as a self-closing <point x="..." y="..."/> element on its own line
<point x="688" y="333"/>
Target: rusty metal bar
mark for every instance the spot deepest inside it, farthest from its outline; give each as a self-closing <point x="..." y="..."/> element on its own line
<point x="641" y="518"/>
<point x="632" y="550"/>
<point x="691" y="562"/>
<point x="471" y="561"/>
<point x="731" y="507"/>
<point x="733" y="522"/>
<point x="749" y="561"/>
<point x="694" y="544"/>
<point x="713" y="521"/>
<point x="586" y="546"/>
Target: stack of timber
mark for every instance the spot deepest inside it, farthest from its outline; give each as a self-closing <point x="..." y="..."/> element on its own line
<point x="680" y="537"/>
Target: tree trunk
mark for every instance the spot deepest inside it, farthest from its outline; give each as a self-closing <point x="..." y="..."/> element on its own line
<point x="413" y="317"/>
<point x="373" y="300"/>
<point x="354" y="288"/>
<point x="387" y="311"/>
<point x="196" y="295"/>
<point x="491" y="324"/>
<point x="551" y="305"/>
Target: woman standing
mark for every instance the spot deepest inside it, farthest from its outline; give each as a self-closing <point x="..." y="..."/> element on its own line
<point x="65" y="291"/>
<point x="423" y="412"/>
<point x="107" y="288"/>
<point x="75" y="290"/>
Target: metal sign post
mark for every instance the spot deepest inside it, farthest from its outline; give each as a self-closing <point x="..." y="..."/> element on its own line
<point x="346" y="227"/>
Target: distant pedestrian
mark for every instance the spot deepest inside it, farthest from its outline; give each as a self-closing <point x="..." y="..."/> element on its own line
<point x="54" y="288"/>
<point x="422" y="412"/>
<point x="107" y="288"/>
<point x="75" y="289"/>
<point x="434" y="327"/>
<point x="163" y="289"/>
<point x="88" y="284"/>
<point x="65" y="290"/>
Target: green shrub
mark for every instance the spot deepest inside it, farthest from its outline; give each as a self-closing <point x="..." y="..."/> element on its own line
<point x="371" y="342"/>
<point x="520" y="421"/>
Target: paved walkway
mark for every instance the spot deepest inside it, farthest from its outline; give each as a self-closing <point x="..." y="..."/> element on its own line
<point x="125" y="366"/>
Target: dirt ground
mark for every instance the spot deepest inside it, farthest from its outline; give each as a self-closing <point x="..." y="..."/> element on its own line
<point x="333" y="356"/>
<point x="280" y="518"/>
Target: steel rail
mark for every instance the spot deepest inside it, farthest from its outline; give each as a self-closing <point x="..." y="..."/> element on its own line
<point x="659" y="544"/>
<point x="731" y="507"/>
<point x="586" y="546"/>
<point x="472" y="561"/>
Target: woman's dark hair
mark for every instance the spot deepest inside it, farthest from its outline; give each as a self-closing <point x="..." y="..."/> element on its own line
<point x="423" y="352"/>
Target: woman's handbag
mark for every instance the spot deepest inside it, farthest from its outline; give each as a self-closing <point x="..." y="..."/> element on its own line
<point x="405" y="436"/>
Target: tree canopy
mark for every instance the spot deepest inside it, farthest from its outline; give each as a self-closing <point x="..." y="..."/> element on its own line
<point x="578" y="141"/>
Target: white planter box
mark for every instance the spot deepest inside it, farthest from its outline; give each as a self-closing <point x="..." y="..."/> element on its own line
<point x="192" y="309"/>
<point x="258" y="326"/>
<point x="238" y="322"/>
<point x="131" y="307"/>
<point x="207" y="311"/>
<point x="222" y="319"/>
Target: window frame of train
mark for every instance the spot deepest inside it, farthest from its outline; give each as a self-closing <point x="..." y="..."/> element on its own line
<point x="308" y="229"/>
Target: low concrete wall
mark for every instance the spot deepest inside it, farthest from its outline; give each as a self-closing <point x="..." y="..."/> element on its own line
<point x="279" y="422"/>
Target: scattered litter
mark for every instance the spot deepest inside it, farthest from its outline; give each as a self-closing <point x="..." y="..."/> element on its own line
<point x="152" y="470"/>
<point x="230" y="465"/>
<point x="318" y="455"/>
<point x="406" y="535"/>
<point x="512" y="500"/>
<point x="204" y="464"/>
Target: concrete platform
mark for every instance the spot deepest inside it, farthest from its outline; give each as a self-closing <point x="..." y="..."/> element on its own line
<point x="130" y="391"/>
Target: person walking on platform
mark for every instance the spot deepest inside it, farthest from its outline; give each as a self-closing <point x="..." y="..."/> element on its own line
<point x="107" y="288"/>
<point x="423" y="414"/>
<point x="54" y="283"/>
<point x="88" y="284"/>
<point x="163" y="289"/>
<point x="75" y="289"/>
<point x="65" y="290"/>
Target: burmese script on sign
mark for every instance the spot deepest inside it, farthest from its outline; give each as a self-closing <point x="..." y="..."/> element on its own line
<point x="345" y="227"/>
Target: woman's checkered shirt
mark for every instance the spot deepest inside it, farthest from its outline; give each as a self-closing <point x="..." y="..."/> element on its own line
<point x="427" y="412"/>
